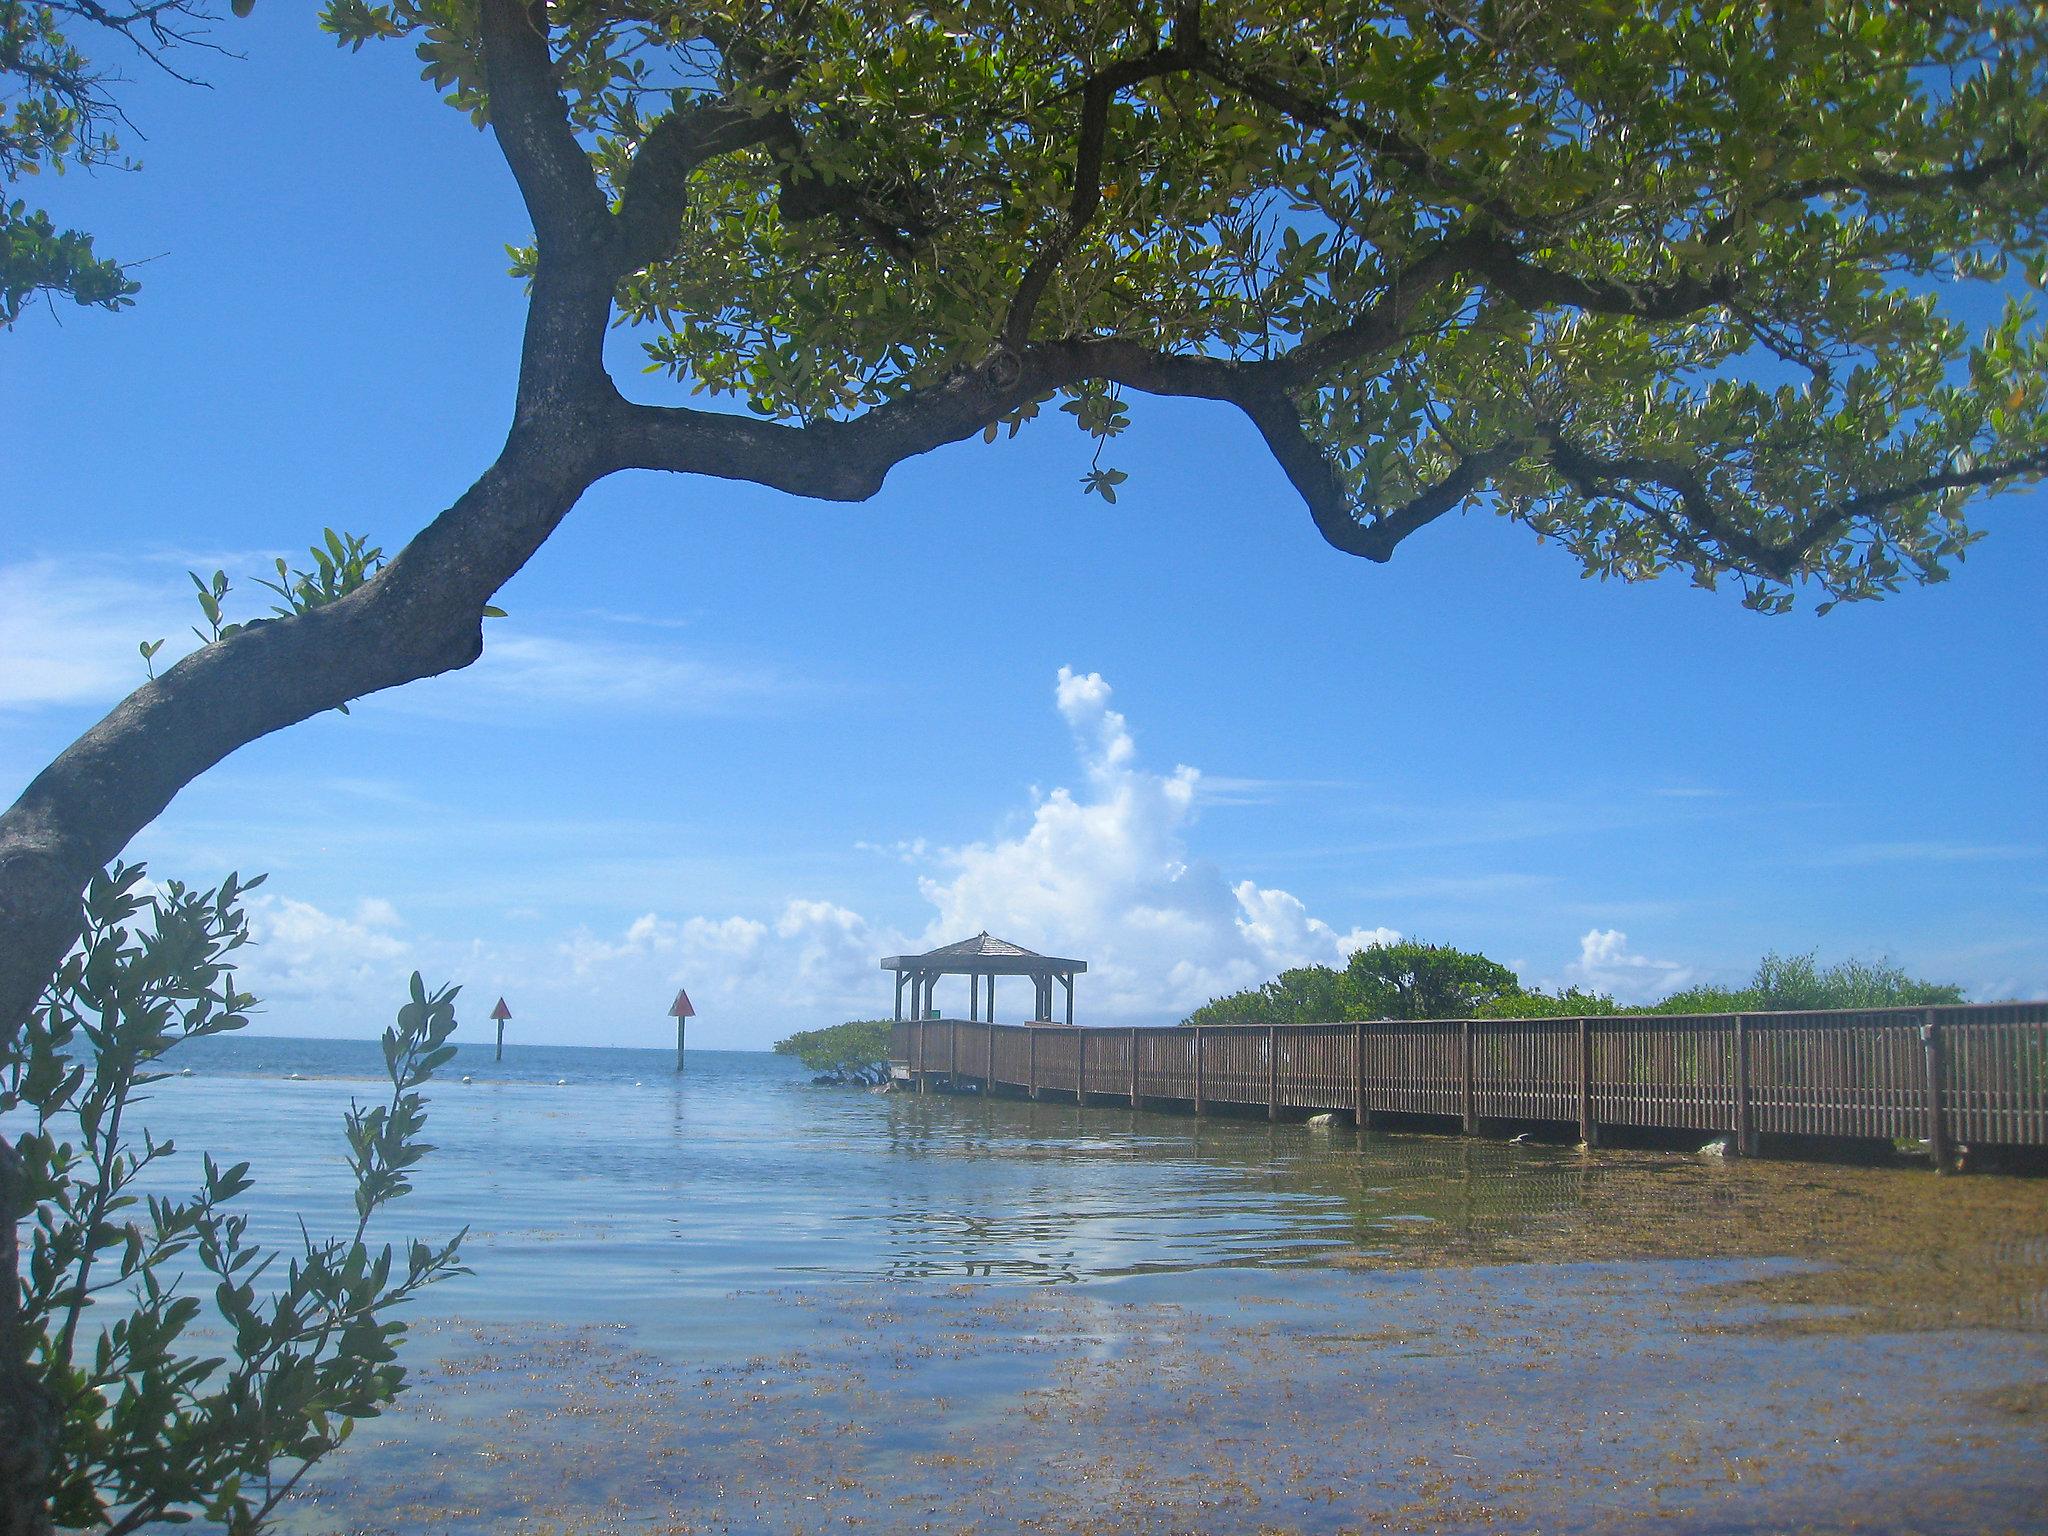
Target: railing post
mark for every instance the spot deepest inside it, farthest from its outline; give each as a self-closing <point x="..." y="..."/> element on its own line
<point x="988" y="1081"/>
<point x="1360" y="1115"/>
<point x="1465" y="1076"/>
<point x="1937" y="1131"/>
<point x="953" y="1057"/>
<point x="1031" y="1061"/>
<point x="1201" y="1088"/>
<point x="1272" y="1073"/>
<point x="1589" y="1133"/>
<point x="920" y="1058"/>
<point x="1745" y="1110"/>
<point x="1134" y="1066"/>
<point x="1080" y="1066"/>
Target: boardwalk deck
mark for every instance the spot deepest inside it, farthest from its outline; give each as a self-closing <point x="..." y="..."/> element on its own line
<point x="1967" y="1073"/>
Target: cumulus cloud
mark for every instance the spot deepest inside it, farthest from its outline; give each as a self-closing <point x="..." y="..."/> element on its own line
<point x="299" y="951"/>
<point x="1105" y="873"/>
<point x="1607" y="964"/>
<point x="815" y="957"/>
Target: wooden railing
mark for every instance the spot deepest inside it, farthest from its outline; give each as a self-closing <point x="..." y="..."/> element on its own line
<point x="1967" y="1073"/>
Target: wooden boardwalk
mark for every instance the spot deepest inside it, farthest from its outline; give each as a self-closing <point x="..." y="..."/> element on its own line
<point x="1975" y="1073"/>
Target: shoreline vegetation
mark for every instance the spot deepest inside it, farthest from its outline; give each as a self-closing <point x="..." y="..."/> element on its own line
<point x="856" y="1052"/>
<point x="1410" y="980"/>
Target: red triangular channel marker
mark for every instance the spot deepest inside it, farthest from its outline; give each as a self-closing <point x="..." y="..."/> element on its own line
<point x="680" y="1008"/>
<point x="501" y="1013"/>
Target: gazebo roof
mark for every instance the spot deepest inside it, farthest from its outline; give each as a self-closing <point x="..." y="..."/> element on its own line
<point x="985" y="955"/>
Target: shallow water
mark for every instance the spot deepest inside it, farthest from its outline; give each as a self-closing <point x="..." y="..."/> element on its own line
<point x="729" y="1301"/>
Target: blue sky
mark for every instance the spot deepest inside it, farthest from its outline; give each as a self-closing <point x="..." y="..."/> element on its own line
<point x="749" y="743"/>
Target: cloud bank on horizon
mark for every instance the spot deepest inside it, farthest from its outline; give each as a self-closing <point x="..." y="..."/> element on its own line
<point x="1103" y="871"/>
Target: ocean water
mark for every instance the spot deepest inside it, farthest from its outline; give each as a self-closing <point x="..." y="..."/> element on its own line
<point x="727" y="1300"/>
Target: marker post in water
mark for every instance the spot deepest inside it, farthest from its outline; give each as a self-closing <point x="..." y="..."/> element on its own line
<point x="501" y="1013"/>
<point x="680" y="1010"/>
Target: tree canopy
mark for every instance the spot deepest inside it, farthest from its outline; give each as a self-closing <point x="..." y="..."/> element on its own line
<point x="1657" y="281"/>
<point x="1401" y="980"/>
<point x="57" y="111"/>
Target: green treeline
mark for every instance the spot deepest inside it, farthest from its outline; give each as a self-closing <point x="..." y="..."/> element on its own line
<point x="1411" y="980"/>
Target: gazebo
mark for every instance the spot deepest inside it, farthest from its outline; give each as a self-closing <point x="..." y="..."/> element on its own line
<point x="975" y="958"/>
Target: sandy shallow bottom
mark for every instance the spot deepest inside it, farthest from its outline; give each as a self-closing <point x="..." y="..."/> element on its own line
<point x="1678" y="1346"/>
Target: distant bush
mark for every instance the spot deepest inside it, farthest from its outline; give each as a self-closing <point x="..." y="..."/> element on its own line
<point x="840" y="1047"/>
<point x="1784" y="982"/>
<point x="1570" y="1003"/>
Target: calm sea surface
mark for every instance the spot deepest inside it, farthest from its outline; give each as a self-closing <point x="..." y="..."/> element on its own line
<point x="726" y="1300"/>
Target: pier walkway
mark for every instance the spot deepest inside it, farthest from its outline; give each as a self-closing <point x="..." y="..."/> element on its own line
<point x="1975" y="1073"/>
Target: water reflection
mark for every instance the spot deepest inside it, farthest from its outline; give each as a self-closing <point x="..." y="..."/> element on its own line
<point x="1050" y="1194"/>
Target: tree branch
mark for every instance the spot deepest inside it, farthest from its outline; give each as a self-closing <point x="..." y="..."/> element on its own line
<point x="1097" y="94"/>
<point x="531" y="123"/>
<point x="657" y="187"/>
<point x="1592" y="474"/>
<point x="1847" y="511"/>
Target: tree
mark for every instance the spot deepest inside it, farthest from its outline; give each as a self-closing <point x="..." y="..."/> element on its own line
<point x="57" y="110"/>
<point x="1649" y="280"/>
<point x="123" y="1425"/>
<point x="1407" y="980"/>
<point x="1305" y="994"/>
<point x="840" y="1050"/>
<point x="1402" y="980"/>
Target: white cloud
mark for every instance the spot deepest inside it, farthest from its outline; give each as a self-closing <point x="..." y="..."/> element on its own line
<point x="299" y="952"/>
<point x="522" y="670"/>
<point x="1607" y="964"/>
<point x="910" y="850"/>
<point x="815" y="959"/>
<point x="68" y="634"/>
<point x="1105" y="874"/>
<point x="1928" y="852"/>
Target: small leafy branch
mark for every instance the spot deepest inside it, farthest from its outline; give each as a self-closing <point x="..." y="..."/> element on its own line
<point x="342" y="562"/>
<point x="139" y="1425"/>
